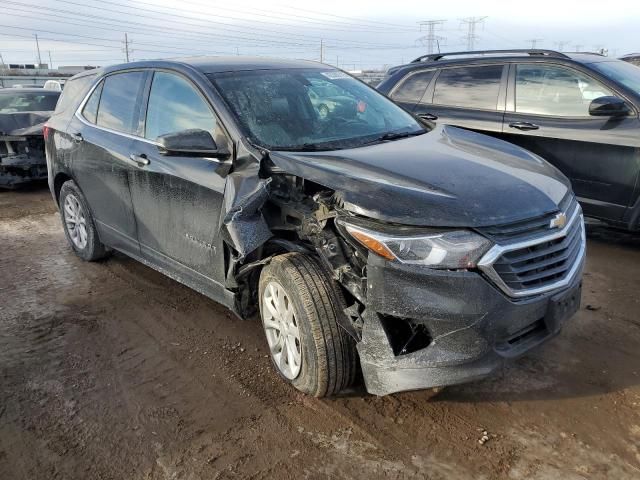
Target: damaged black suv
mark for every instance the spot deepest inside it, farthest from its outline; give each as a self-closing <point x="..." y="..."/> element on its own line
<point x="429" y="254"/>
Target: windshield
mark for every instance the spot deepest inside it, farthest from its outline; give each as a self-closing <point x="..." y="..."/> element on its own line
<point x="624" y="73"/>
<point x="311" y="109"/>
<point x="28" y="102"/>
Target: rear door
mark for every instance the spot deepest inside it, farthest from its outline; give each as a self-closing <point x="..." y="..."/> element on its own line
<point x="548" y="114"/>
<point x="470" y="96"/>
<point x="102" y="136"/>
<point x="177" y="199"/>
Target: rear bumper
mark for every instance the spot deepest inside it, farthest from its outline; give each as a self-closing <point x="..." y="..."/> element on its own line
<point x="472" y="326"/>
<point x="22" y="168"/>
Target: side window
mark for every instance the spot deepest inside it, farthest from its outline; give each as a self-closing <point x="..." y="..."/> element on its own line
<point x="174" y="106"/>
<point x="90" y="110"/>
<point x="555" y="91"/>
<point x="469" y="87"/>
<point x="413" y="87"/>
<point x="119" y="101"/>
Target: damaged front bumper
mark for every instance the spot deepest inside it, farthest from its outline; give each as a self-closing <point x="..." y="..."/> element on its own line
<point x="433" y="328"/>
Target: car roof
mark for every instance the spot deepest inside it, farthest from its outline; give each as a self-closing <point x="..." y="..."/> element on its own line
<point x="218" y="64"/>
<point x="29" y="90"/>
<point x="489" y="57"/>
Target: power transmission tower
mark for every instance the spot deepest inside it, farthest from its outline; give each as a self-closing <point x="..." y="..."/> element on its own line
<point x="321" y="50"/>
<point x="561" y="44"/>
<point x="430" y="40"/>
<point x="127" y="50"/>
<point x="472" y="23"/>
<point x="578" y="47"/>
<point x="38" y="48"/>
<point x="534" y="42"/>
<point x="50" y="61"/>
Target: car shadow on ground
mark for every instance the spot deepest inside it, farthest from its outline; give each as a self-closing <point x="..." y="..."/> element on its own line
<point x="611" y="236"/>
<point x="35" y="186"/>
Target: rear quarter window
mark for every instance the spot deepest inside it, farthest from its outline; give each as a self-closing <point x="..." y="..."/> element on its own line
<point x="412" y="87"/>
<point x="119" y="102"/>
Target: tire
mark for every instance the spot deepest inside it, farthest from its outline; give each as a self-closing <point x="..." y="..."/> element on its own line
<point x="78" y="224"/>
<point x="327" y="354"/>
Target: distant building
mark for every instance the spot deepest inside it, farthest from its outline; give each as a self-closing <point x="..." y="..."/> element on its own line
<point x="34" y="75"/>
<point x="73" y="69"/>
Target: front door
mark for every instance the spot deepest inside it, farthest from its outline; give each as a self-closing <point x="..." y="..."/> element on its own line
<point x="177" y="199"/>
<point x="548" y="114"/>
<point x="471" y="97"/>
<point x="100" y="160"/>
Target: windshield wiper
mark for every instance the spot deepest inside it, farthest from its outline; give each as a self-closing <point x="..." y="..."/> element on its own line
<point x="395" y="136"/>
<point x="305" y="147"/>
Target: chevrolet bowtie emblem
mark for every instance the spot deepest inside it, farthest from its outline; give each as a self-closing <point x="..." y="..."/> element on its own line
<point x="559" y="221"/>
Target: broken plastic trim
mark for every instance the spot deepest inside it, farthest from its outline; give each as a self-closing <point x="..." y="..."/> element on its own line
<point x="405" y="335"/>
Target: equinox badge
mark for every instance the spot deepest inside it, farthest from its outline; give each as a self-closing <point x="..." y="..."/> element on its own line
<point x="559" y="221"/>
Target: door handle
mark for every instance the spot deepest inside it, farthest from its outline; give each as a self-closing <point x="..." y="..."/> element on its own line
<point x="77" y="137"/>
<point x="140" y="160"/>
<point x="428" y="116"/>
<point x="524" y="126"/>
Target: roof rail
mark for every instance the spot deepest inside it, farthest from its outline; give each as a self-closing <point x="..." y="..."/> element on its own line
<point x="600" y="54"/>
<point x="532" y="52"/>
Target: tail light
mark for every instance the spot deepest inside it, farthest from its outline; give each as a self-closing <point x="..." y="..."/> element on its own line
<point x="46" y="130"/>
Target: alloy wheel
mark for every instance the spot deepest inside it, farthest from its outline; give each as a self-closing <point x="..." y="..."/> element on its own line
<point x="75" y="221"/>
<point x="281" y="328"/>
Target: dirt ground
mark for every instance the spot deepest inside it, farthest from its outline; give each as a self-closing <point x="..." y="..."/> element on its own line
<point x="112" y="371"/>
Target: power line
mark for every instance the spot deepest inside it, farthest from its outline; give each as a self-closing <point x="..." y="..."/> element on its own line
<point x="140" y="27"/>
<point x="472" y="23"/>
<point x="172" y="19"/>
<point x="343" y="17"/>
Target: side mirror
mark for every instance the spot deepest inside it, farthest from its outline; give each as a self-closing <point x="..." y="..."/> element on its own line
<point x="192" y="142"/>
<point x="608" y="107"/>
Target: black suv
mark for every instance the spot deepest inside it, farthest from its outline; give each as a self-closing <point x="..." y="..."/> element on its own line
<point x="430" y="254"/>
<point x="577" y="111"/>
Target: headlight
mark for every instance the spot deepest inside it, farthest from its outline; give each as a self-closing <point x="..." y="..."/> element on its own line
<point x="451" y="249"/>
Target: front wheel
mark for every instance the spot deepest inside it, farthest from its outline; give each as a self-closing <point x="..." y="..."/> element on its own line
<point x="79" y="227"/>
<point x="299" y="306"/>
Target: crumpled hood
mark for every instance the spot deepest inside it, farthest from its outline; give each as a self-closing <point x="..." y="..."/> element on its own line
<point x="23" y="123"/>
<point x="449" y="177"/>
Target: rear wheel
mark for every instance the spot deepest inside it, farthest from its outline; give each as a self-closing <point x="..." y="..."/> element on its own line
<point x="299" y="306"/>
<point x="78" y="224"/>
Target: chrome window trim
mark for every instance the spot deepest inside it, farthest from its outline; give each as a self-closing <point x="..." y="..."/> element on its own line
<point x="486" y="262"/>
<point x="80" y="117"/>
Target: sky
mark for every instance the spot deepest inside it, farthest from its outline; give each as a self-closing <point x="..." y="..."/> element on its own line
<point x="353" y="35"/>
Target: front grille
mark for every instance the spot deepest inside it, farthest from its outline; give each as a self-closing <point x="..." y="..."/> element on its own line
<point x="544" y="261"/>
<point x="530" y="228"/>
<point x="541" y="263"/>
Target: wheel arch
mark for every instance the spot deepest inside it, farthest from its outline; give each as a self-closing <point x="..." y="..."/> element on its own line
<point x="60" y="179"/>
